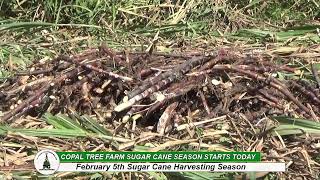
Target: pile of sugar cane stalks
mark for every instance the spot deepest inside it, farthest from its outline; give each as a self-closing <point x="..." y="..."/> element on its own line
<point x="172" y="95"/>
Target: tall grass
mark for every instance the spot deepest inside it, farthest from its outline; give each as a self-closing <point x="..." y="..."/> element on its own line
<point x="140" y="13"/>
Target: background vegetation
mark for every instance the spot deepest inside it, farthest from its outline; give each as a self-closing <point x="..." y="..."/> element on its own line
<point x="36" y="29"/>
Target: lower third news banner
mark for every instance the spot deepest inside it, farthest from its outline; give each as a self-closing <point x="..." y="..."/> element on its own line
<point x="48" y="162"/>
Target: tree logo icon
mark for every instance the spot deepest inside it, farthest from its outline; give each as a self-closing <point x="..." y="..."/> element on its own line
<point x="46" y="162"/>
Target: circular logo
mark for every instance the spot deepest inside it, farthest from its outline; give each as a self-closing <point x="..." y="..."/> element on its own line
<point x="46" y="162"/>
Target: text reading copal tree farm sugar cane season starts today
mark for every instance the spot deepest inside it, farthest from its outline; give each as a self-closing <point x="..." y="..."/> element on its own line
<point x="159" y="156"/>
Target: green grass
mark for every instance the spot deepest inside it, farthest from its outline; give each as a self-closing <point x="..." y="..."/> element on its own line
<point x="25" y="25"/>
<point x="290" y="126"/>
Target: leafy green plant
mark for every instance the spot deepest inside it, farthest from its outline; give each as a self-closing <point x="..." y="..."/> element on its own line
<point x="65" y="127"/>
<point x="290" y="125"/>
